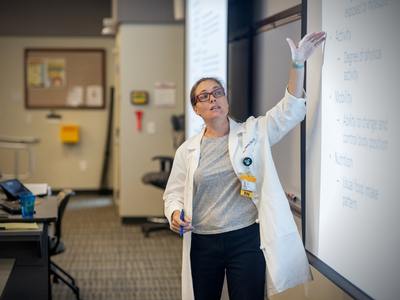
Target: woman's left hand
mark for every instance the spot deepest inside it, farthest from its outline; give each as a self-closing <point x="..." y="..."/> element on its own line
<point x="306" y="46"/>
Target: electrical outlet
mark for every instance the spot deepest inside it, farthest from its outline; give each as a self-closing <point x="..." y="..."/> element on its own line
<point x="83" y="165"/>
<point x="151" y="127"/>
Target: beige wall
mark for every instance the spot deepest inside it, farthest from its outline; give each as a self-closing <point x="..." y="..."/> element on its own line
<point x="75" y="166"/>
<point x="266" y="8"/>
<point x="147" y="54"/>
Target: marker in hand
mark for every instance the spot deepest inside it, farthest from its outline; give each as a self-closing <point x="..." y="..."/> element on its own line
<point x="182" y="217"/>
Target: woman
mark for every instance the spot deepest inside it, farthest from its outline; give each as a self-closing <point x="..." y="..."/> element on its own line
<point x="237" y="220"/>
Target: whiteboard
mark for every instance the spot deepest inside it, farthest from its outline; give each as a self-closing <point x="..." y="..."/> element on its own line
<point x="353" y="143"/>
<point x="206" y="50"/>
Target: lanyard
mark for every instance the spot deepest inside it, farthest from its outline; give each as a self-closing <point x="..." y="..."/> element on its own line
<point x="247" y="154"/>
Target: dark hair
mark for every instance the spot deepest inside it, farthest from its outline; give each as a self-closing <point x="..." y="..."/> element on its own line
<point x="194" y="87"/>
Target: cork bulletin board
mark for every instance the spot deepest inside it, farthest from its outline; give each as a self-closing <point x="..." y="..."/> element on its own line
<point x="64" y="78"/>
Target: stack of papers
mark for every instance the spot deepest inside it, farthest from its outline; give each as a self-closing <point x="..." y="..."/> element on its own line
<point x="38" y="189"/>
<point x="19" y="226"/>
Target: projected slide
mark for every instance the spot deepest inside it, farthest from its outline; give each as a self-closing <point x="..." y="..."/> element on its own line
<point x="206" y="49"/>
<point x="359" y="217"/>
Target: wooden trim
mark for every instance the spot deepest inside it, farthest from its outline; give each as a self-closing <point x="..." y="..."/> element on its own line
<point x="102" y="53"/>
<point x="293" y="11"/>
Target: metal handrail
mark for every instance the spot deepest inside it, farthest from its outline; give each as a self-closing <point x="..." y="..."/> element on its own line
<point x="19" y="144"/>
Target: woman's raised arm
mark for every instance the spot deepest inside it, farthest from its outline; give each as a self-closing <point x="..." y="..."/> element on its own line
<point x="300" y="54"/>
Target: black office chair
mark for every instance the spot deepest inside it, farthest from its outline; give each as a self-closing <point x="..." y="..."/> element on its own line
<point x="56" y="246"/>
<point x="159" y="179"/>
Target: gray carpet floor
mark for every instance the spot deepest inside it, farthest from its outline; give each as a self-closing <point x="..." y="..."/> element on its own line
<point x="110" y="260"/>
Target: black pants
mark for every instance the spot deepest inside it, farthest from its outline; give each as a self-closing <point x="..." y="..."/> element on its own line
<point x="238" y="254"/>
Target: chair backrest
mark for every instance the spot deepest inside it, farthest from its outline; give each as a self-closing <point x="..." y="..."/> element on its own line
<point x="160" y="178"/>
<point x="62" y="199"/>
<point x="178" y="130"/>
<point x="178" y="122"/>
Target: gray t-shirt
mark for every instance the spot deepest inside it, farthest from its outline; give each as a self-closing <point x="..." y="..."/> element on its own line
<point x="217" y="204"/>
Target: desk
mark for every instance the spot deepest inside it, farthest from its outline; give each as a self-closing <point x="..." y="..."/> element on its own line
<point x="30" y="278"/>
<point x="6" y="266"/>
<point x="45" y="212"/>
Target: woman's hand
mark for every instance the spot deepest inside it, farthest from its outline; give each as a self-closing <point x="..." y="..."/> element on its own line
<point x="300" y="54"/>
<point x="176" y="222"/>
<point x="306" y="46"/>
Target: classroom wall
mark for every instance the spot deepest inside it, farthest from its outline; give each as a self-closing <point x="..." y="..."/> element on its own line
<point x="144" y="11"/>
<point x="74" y="166"/>
<point x="266" y="8"/>
<point x="53" y="18"/>
<point x="147" y="54"/>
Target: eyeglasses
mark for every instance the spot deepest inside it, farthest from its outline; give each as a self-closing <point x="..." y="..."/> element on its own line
<point x="205" y="96"/>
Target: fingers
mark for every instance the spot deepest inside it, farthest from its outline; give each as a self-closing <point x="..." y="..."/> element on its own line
<point x="307" y="45"/>
<point x="291" y="44"/>
<point x="189" y="226"/>
<point x="313" y="40"/>
<point x="313" y="36"/>
<point x="308" y="36"/>
<point x="176" y="223"/>
<point x="186" y="228"/>
<point x="317" y="36"/>
<point x="173" y="228"/>
<point x="320" y="40"/>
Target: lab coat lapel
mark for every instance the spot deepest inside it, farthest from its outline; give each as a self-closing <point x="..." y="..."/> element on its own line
<point x="194" y="150"/>
<point x="193" y="157"/>
<point x="194" y="143"/>
<point x="241" y="144"/>
<point x="235" y="130"/>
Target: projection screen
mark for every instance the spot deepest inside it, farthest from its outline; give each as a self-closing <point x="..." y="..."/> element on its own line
<point x="206" y="50"/>
<point x="353" y="143"/>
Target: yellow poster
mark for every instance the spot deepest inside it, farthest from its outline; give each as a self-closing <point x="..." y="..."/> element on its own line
<point x="46" y="72"/>
<point x="36" y="73"/>
<point x="55" y="72"/>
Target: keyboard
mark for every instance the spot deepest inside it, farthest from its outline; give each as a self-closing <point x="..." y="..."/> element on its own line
<point x="12" y="207"/>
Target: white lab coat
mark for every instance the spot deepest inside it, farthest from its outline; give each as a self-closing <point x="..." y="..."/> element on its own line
<point x="286" y="261"/>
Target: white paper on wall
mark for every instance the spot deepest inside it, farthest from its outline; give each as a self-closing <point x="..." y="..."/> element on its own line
<point x="75" y="96"/>
<point x="164" y="94"/>
<point x="94" y="95"/>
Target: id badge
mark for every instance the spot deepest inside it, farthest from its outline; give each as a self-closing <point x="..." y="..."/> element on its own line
<point x="248" y="185"/>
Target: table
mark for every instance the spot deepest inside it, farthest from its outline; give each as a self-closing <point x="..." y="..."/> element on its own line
<point x="29" y="248"/>
<point x="6" y="266"/>
<point x="45" y="211"/>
